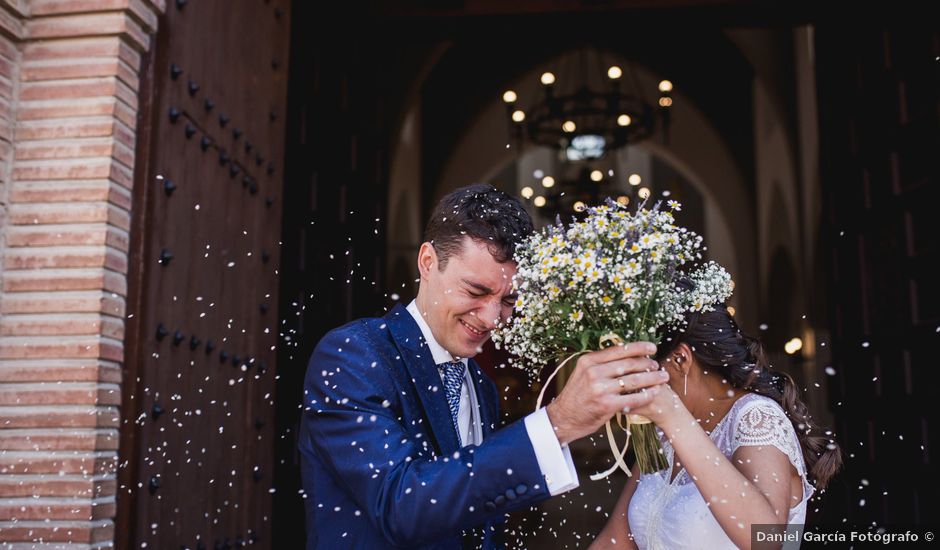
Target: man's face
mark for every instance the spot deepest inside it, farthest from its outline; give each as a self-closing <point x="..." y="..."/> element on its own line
<point x="465" y="301"/>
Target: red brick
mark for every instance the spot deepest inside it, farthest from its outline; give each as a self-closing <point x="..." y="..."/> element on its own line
<point x="56" y="509"/>
<point x="72" y="347"/>
<point x="55" y="257"/>
<point x="60" y="191"/>
<point x="72" y="68"/>
<point x="69" y="67"/>
<point x="7" y="49"/>
<point x="90" y="25"/>
<point x="6" y="91"/>
<point x="125" y="134"/>
<point x="6" y="152"/>
<point x="53" y="213"/>
<point x="85" y="107"/>
<point x="25" y="214"/>
<point x="55" y="370"/>
<point x="121" y="174"/>
<point x="66" y="128"/>
<point x="6" y="129"/>
<point x="10" y="24"/>
<point x="58" y="257"/>
<point x="69" y="25"/>
<point x="42" y="485"/>
<point x="65" y="279"/>
<point x="94" y="46"/>
<point x="120" y="196"/>
<point x="61" y="324"/>
<point x="66" y="348"/>
<point x="61" y="169"/>
<point x="67" y="234"/>
<point x="67" y="148"/>
<point x="63" y="302"/>
<point x="60" y="416"/>
<point x="73" y="532"/>
<point x="85" y="88"/>
<point x="142" y="9"/>
<point x="73" y="191"/>
<point x="80" y="148"/>
<point x="54" y="440"/>
<point x="7" y="68"/>
<point x="54" y="393"/>
<point x="52" y="462"/>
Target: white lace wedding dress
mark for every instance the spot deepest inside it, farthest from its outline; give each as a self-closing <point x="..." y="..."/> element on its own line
<point x="671" y="516"/>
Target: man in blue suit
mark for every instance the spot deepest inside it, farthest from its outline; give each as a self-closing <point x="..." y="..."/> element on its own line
<point x="398" y="440"/>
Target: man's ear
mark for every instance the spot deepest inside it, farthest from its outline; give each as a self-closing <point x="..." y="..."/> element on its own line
<point x="427" y="259"/>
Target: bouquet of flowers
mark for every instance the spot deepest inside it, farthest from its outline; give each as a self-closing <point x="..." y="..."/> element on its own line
<point x="608" y="279"/>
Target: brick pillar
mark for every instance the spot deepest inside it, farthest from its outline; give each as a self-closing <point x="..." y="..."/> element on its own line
<point x="69" y="77"/>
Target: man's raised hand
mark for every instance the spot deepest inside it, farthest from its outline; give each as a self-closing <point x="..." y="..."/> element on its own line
<point x="621" y="377"/>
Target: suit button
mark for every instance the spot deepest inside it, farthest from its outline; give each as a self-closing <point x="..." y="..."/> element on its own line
<point x="521" y="489"/>
<point x="510" y="494"/>
<point x="489" y="505"/>
<point x="500" y="500"/>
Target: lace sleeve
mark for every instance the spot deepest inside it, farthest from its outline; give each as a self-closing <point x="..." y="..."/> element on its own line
<point x="762" y="422"/>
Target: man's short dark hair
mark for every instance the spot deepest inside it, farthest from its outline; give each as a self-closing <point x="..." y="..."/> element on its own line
<point x="481" y="212"/>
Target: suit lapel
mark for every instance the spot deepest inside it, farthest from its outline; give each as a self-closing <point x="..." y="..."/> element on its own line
<point x="486" y="402"/>
<point x="420" y="365"/>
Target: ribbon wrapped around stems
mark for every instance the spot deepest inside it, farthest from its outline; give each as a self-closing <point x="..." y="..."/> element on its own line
<point x="647" y="449"/>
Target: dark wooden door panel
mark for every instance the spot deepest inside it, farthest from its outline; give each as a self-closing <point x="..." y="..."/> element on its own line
<point x="880" y="131"/>
<point x="200" y="464"/>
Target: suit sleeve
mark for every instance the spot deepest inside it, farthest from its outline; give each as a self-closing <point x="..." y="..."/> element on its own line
<point x="554" y="460"/>
<point x="352" y="421"/>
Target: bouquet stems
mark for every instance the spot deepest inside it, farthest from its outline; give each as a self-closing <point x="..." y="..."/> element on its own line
<point x="646" y="446"/>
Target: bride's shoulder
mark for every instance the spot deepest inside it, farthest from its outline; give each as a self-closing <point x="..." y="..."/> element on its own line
<point x="755" y="401"/>
<point x="753" y="410"/>
<point x="759" y="420"/>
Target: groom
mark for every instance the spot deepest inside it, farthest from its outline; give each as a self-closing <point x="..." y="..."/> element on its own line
<point x="399" y="446"/>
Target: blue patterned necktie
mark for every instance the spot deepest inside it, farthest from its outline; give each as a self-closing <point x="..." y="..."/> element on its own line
<point x="453" y="381"/>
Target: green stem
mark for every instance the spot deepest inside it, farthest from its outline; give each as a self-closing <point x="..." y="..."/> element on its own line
<point x="647" y="449"/>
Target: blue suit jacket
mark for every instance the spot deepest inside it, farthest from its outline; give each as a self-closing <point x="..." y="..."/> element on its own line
<point x="380" y="461"/>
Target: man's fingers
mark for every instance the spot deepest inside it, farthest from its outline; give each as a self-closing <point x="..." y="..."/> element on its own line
<point x="632" y="401"/>
<point x="639" y="380"/>
<point x="621" y="367"/>
<point x="613" y="353"/>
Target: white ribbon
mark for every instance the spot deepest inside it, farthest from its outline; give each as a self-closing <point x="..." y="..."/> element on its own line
<point x="631" y="419"/>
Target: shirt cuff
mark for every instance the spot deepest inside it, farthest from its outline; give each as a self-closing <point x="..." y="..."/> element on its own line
<point x="554" y="459"/>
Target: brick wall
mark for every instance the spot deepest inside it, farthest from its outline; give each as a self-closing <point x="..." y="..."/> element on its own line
<point x="69" y="77"/>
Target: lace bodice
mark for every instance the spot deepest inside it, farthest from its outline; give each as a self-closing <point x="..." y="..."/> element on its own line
<point x="673" y="515"/>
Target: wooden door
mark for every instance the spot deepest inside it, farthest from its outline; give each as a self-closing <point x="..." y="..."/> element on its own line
<point x="196" y="455"/>
<point x="879" y="94"/>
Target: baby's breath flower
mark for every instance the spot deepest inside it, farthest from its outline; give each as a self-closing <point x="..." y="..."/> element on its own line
<point x="614" y="271"/>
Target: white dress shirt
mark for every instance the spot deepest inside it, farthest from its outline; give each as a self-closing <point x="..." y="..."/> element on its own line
<point x="554" y="459"/>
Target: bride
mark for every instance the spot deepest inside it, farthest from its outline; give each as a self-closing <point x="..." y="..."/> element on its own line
<point x="741" y="446"/>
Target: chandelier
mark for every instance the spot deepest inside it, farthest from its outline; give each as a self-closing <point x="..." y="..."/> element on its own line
<point x="571" y="195"/>
<point x="585" y="116"/>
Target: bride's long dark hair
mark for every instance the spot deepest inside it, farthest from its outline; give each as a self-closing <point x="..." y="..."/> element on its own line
<point x="723" y="348"/>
